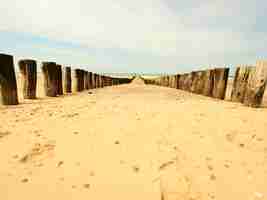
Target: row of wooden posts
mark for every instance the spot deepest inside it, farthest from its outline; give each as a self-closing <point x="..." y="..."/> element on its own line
<point x="53" y="79"/>
<point x="248" y="86"/>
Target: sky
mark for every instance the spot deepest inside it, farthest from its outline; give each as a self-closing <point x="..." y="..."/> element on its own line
<point x="142" y="36"/>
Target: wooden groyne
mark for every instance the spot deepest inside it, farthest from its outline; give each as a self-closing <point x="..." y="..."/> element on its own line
<point x="248" y="87"/>
<point x="54" y="76"/>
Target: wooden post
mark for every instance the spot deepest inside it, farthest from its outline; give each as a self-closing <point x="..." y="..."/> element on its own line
<point x="240" y="83"/>
<point x="192" y="82"/>
<point x="181" y="82"/>
<point x="79" y="80"/>
<point x="188" y="82"/>
<point x="98" y="81"/>
<point x="49" y="70"/>
<point x="90" y="80"/>
<point x="101" y="81"/>
<point x="95" y="80"/>
<point x="198" y="82"/>
<point x="220" y="82"/>
<point x="59" y="80"/>
<point x="8" y="83"/>
<point x="86" y="81"/>
<point x="256" y="85"/>
<point x="177" y="77"/>
<point x="67" y="80"/>
<point x="28" y="70"/>
<point x="208" y="82"/>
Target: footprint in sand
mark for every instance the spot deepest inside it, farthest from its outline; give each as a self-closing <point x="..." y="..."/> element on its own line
<point x="4" y="133"/>
<point x="25" y="180"/>
<point x="87" y="186"/>
<point x="37" y="151"/>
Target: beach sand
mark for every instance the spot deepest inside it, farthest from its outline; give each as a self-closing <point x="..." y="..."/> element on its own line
<point x="132" y="142"/>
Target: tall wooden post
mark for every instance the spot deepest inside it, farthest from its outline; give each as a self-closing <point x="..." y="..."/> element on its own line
<point x="97" y="80"/>
<point x="8" y="83"/>
<point x="49" y="70"/>
<point x="176" y="79"/>
<point x="220" y="82"/>
<point x="181" y="82"/>
<point x="256" y="85"/>
<point x="86" y="81"/>
<point x="67" y="80"/>
<point x="198" y="82"/>
<point x="59" y="80"/>
<point x="240" y="83"/>
<point x="79" y="80"/>
<point x="28" y="70"/>
<point x="90" y="82"/>
<point x="93" y="81"/>
<point x="208" y="82"/>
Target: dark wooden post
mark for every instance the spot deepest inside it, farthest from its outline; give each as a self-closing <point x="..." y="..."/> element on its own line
<point x="176" y="81"/>
<point x="86" y="82"/>
<point x="97" y="81"/>
<point x="28" y="70"/>
<point x="49" y="70"/>
<point x="67" y="80"/>
<point x="220" y="82"/>
<point x="208" y="82"/>
<point x="59" y="80"/>
<point x="256" y="85"/>
<point x="8" y="83"/>
<point x="240" y="83"/>
<point x="79" y="81"/>
<point x="90" y="81"/>
<point x="93" y="81"/>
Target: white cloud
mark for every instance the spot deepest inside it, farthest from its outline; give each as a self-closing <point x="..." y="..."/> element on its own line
<point x="196" y="32"/>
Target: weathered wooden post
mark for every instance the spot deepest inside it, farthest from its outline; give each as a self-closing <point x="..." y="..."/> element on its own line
<point x="220" y="82"/>
<point x="8" y="83"/>
<point x="101" y="81"/>
<point x="182" y="82"/>
<point x="97" y="81"/>
<point x="86" y="82"/>
<point x="59" y="80"/>
<point x="28" y="70"/>
<point x="198" y="82"/>
<point x="188" y="82"/>
<point x="79" y="81"/>
<point x="192" y="82"/>
<point x="67" y="80"/>
<point x="176" y="81"/>
<point x="208" y="82"/>
<point x="240" y="83"/>
<point x="90" y="82"/>
<point x="49" y="70"/>
<point x="256" y="85"/>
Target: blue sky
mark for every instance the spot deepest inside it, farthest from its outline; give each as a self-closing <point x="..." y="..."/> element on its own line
<point x="148" y="36"/>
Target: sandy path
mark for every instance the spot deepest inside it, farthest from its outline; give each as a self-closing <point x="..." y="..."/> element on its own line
<point x="130" y="142"/>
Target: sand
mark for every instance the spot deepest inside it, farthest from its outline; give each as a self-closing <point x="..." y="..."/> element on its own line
<point x="131" y="142"/>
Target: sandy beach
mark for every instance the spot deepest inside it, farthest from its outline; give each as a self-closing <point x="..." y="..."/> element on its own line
<point x="132" y="142"/>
